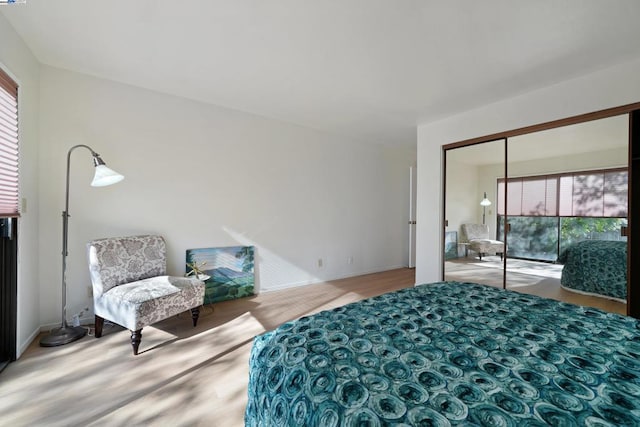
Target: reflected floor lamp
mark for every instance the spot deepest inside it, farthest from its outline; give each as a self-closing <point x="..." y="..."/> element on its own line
<point x="103" y="177"/>
<point x="484" y="203"/>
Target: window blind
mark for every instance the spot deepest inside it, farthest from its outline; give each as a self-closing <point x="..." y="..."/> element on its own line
<point x="616" y="193"/>
<point x="601" y="193"/>
<point x="9" y="205"/>
<point x="597" y="194"/>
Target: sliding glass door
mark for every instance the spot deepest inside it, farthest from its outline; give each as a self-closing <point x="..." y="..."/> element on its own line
<point x="8" y="289"/>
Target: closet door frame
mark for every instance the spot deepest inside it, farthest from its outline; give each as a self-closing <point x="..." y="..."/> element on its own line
<point x="633" y="241"/>
<point x="444" y="201"/>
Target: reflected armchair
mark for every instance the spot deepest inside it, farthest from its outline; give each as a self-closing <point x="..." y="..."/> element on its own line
<point x="131" y="288"/>
<point x="476" y="236"/>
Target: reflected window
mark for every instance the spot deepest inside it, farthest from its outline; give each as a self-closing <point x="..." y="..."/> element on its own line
<point x="548" y="213"/>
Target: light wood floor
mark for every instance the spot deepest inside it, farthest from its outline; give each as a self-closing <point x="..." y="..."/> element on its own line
<point x="183" y="376"/>
<point x="547" y="286"/>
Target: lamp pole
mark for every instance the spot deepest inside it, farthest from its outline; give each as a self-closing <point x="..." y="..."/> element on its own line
<point x="484" y="202"/>
<point x="103" y="176"/>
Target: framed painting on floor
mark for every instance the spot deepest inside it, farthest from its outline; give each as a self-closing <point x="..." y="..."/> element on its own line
<point x="228" y="273"/>
<point x="450" y="244"/>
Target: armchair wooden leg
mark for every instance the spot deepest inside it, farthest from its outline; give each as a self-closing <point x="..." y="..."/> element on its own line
<point x="195" y="313"/>
<point x="136" y="337"/>
<point x="480" y="255"/>
<point x="99" y="322"/>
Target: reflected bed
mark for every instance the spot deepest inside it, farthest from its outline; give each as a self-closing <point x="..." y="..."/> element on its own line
<point x="596" y="267"/>
<point x="448" y="353"/>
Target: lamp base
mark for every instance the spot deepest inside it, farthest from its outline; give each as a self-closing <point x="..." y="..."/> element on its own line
<point x="63" y="335"/>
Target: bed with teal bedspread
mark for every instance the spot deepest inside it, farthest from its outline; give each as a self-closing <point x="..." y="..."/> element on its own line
<point x="444" y="354"/>
<point x="596" y="267"/>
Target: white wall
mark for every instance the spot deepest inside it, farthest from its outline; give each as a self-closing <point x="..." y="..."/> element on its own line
<point x="606" y="88"/>
<point x="616" y="157"/>
<point x="204" y="176"/>
<point x="17" y="61"/>
<point x="462" y="194"/>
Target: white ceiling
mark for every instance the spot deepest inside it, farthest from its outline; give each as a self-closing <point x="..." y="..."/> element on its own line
<point x="367" y="69"/>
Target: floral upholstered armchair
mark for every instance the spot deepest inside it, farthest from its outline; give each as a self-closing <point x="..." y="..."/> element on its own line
<point x="131" y="288"/>
<point x="476" y="236"/>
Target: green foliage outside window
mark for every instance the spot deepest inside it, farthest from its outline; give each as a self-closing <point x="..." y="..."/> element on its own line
<point x="537" y="237"/>
<point x="577" y="229"/>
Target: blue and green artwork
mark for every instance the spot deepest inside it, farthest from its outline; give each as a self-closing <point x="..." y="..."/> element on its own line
<point x="228" y="273"/>
<point x="450" y="244"/>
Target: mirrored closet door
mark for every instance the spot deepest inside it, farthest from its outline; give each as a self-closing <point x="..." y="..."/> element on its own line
<point x="556" y="200"/>
<point x="566" y="213"/>
<point x="470" y="214"/>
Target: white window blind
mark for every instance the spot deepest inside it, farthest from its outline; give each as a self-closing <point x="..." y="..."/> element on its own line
<point x="539" y="197"/>
<point x="616" y="194"/>
<point x="9" y="206"/>
<point x="601" y="194"/>
<point x="529" y="196"/>
<point x="585" y="194"/>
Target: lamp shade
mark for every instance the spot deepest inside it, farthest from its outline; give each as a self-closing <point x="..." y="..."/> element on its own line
<point x="105" y="176"/>
<point x="485" y="201"/>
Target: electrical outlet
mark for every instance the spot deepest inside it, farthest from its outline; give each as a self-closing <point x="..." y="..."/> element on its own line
<point x="320" y="263"/>
<point x="350" y="260"/>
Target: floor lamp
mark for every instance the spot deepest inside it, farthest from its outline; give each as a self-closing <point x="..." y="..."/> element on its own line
<point x="103" y="177"/>
<point x="484" y="203"/>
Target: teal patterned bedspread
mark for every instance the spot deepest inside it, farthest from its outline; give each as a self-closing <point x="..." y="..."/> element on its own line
<point x="596" y="266"/>
<point x="445" y="354"/>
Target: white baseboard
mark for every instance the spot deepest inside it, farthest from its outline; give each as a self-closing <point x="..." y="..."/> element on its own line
<point x="315" y="281"/>
<point x="28" y="342"/>
<point x="84" y="320"/>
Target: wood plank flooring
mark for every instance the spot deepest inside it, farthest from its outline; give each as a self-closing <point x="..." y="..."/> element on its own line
<point x="547" y="286"/>
<point x="183" y="376"/>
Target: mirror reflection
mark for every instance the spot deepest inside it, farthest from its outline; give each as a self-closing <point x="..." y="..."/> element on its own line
<point x="555" y="213"/>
